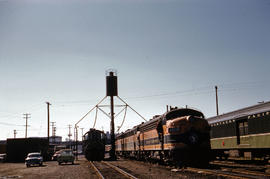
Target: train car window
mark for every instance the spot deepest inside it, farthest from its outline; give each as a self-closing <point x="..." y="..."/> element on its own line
<point x="242" y="127"/>
<point x="245" y="128"/>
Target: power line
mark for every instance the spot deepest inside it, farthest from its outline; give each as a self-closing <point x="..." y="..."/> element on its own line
<point x="196" y="91"/>
<point x="10" y="116"/>
<point x="9" y="124"/>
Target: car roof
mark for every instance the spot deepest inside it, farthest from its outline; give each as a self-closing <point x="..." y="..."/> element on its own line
<point x="66" y="150"/>
<point x="34" y="153"/>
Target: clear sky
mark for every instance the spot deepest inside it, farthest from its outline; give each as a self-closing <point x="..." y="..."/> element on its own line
<point x="166" y="52"/>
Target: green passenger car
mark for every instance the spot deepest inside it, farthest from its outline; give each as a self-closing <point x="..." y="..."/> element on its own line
<point x="242" y="133"/>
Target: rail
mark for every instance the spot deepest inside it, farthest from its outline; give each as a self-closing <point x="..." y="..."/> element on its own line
<point x="97" y="171"/>
<point x="115" y="168"/>
<point x="120" y="170"/>
<point x="231" y="174"/>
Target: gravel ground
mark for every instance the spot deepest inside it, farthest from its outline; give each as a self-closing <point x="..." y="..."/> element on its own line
<point x="49" y="170"/>
<point x="82" y="170"/>
<point x="144" y="170"/>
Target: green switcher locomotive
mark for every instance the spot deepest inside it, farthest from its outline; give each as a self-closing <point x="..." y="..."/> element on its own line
<point x="244" y="133"/>
<point x="94" y="145"/>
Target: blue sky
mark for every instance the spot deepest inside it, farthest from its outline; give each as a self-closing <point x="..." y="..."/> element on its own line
<point x="166" y="52"/>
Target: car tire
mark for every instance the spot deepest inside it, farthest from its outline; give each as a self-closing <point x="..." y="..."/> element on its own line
<point x="27" y="165"/>
<point x="72" y="163"/>
<point x="59" y="163"/>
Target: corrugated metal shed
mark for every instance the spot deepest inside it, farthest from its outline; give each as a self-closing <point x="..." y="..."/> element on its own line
<point x="259" y="108"/>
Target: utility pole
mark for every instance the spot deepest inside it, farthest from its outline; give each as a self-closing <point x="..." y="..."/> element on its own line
<point x="76" y="140"/>
<point x="15" y="132"/>
<point x="53" y="128"/>
<point x="53" y="131"/>
<point x="27" y="115"/>
<point x="48" y="114"/>
<point x="216" y="88"/>
<point x="82" y="133"/>
<point x="69" y="133"/>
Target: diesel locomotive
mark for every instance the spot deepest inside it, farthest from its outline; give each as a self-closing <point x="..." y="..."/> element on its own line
<point x="180" y="136"/>
<point x="94" y="145"/>
<point x="244" y="133"/>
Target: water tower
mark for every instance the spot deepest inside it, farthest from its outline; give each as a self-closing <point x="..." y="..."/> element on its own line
<point x="111" y="91"/>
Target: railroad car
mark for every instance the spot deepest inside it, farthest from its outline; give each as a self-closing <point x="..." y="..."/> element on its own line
<point x="244" y="133"/>
<point x="180" y="136"/>
<point x="94" y="145"/>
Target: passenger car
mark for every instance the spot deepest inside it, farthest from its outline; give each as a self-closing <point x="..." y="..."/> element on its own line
<point x="243" y="133"/>
<point x="65" y="156"/>
<point x="33" y="159"/>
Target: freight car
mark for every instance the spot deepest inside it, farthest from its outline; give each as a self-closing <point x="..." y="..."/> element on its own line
<point x="244" y="133"/>
<point x="94" y="145"/>
<point x="180" y="136"/>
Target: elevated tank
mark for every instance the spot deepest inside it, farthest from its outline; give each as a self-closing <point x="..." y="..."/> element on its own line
<point x="111" y="83"/>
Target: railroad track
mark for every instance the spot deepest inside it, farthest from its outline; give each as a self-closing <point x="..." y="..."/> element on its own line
<point x="106" y="170"/>
<point x="231" y="173"/>
<point x="237" y="165"/>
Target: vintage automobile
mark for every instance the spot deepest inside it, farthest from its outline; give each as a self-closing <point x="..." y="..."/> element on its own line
<point x="65" y="156"/>
<point x="55" y="155"/>
<point x="3" y="157"/>
<point x="34" y="158"/>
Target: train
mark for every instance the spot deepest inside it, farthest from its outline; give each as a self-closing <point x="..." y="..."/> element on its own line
<point x="94" y="142"/>
<point x="242" y="134"/>
<point x="181" y="136"/>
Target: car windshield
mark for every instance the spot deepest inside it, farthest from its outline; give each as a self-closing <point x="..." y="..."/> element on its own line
<point x="34" y="155"/>
<point x="67" y="152"/>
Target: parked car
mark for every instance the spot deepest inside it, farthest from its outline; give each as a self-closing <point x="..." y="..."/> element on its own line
<point x="55" y="155"/>
<point x="33" y="159"/>
<point x="65" y="156"/>
<point x="3" y="157"/>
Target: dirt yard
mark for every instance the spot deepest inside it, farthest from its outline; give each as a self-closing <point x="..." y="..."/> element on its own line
<point x="82" y="170"/>
<point x="49" y="170"/>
